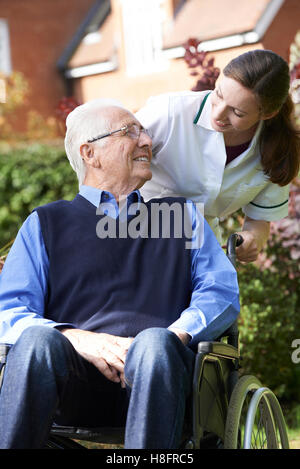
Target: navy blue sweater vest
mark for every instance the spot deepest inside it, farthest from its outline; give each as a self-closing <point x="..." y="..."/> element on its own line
<point x="115" y="285"/>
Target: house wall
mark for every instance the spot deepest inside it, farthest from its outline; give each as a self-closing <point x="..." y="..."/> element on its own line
<point x="134" y="91"/>
<point x="39" y="31"/>
<point x="282" y="31"/>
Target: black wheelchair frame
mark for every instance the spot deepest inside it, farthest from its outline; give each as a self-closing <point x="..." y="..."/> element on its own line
<point x="225" y="410"/>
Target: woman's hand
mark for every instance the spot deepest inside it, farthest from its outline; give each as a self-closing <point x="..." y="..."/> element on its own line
<point x="107" y="352"/>
<point x="255" y="234"/>
<point x="248" y="250"/>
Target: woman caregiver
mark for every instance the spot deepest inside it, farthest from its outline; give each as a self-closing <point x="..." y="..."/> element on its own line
<point x="230" y="148"/>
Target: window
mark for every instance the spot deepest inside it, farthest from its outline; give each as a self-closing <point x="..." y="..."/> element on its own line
<point x="142" y="22"/>
<point x="5" y="62"/>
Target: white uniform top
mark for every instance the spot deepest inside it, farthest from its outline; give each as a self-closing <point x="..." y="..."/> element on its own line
<point x="189" y="159"/>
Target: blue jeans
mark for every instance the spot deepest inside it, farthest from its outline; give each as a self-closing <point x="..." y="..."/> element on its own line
<point x="46" y="380"/>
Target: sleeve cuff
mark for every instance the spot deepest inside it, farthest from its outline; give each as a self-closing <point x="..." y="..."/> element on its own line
<point x="267" y="213"/>
<point x="191" y="321"/>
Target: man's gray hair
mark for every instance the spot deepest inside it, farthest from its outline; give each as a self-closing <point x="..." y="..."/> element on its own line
<point x="83" y="123"/>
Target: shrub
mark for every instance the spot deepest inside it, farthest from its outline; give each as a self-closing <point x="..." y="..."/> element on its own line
<point x="201" y="65"/>
<point x="268" y="324"/>
<point x="31" y="176"/>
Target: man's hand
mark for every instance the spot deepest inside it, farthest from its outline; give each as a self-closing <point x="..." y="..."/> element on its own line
<point x="183" y="336"/>
<point x="107" y="352"/>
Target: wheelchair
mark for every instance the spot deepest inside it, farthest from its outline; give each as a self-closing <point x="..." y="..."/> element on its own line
<point x="225" y="410"/>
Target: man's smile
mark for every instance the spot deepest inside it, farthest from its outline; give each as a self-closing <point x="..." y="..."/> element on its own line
<point x="145" y="158"/>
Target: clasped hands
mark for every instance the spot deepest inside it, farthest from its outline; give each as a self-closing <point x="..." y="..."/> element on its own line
<point x="105" y="351"/>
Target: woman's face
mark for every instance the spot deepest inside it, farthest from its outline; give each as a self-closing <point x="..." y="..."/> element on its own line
<point x="234" y="107"/>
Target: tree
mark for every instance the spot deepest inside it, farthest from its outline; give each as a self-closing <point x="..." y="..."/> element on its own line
<point x="15" y="91"/>
<point x="201" y="65"/>
<point x="65" y="106"/>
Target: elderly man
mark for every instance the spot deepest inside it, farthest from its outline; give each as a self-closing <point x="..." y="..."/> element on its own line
<point x="103" y="327"/>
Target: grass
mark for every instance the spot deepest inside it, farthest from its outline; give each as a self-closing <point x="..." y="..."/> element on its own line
<point x="294" y="438"/>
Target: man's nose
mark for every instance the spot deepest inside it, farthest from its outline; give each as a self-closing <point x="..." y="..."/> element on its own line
<point x="145" y="139"/>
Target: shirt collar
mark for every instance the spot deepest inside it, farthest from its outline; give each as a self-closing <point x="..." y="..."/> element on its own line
<point x="97" y="196"/>
<point x="204" y="118"/>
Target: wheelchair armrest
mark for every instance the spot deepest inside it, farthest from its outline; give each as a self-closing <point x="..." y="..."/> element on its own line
<point x="218" y="348"/>
<point x="4" y="349"/>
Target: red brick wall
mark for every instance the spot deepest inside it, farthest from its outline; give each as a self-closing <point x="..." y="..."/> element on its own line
<point x="281" y="33"/>
<point x="39" y="32"/>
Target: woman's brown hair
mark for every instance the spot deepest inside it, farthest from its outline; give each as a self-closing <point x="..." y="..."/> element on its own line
<point x="267" y="75"/>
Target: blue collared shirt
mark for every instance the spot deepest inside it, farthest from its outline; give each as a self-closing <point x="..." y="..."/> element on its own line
<point x="24" y="280"/>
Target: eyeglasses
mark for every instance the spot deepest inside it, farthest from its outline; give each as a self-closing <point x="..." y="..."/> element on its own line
<point x="132" y="131"/>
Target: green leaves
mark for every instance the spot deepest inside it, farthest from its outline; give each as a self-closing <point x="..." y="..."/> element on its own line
<point x="269" y="322"/>
<point x="270" y="306"/>
<point x="30" y="176"/>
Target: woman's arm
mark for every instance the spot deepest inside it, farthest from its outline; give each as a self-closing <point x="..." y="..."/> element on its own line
<point x="255" y="234"/>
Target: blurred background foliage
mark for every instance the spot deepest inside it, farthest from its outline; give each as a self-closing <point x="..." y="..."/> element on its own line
<point x="270" y="308"/>
<point x="34" y="174"/>
<point x="31" y="175"/>
<point x="16" y="94"/>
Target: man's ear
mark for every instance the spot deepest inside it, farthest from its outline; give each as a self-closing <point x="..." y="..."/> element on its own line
<point x="86" y="152"/>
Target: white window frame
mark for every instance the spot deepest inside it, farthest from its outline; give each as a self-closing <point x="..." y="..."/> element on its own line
<point x="143" y="41"/>
<point x="5" y="57"/>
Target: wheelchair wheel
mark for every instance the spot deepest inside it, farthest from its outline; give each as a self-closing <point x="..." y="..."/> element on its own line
<point x="254" y="418"/>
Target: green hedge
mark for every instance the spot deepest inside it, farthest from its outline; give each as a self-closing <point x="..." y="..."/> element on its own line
<point x="268" y="324"/>
<point x="31" y="176"/>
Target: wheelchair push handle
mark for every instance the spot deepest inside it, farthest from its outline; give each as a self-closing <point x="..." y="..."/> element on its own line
<point x="233" y="242"/>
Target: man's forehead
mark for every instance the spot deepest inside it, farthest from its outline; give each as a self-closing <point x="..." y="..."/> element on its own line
<point x="118" y="115"/>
